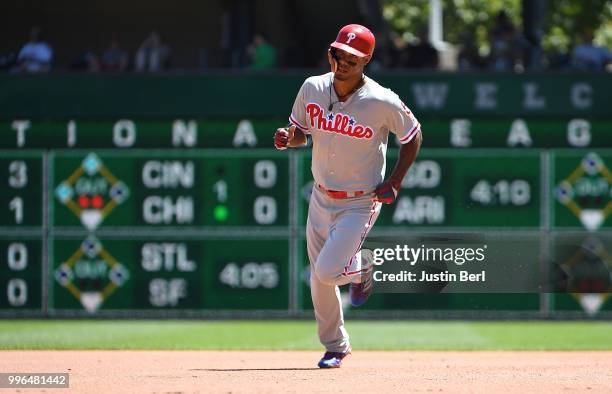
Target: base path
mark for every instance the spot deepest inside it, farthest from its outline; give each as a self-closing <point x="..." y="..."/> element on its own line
<point x="295" y="371"/>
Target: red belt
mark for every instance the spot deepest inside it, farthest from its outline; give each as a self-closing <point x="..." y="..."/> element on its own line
<point x="340" y="194"/>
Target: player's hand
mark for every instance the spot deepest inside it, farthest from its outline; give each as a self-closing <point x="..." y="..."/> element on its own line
<point x="283" y="136"/>
<point x="387" y="191"/>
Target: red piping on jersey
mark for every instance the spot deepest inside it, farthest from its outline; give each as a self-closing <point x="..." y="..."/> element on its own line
<point x="411" y="134"/>
<point x="298" y="124"/>
<point x="363" y="236"/>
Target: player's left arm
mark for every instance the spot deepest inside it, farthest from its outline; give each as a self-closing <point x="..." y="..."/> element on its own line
<point x="387" y="191"/>
<point x="401" y="122"/>
<point x="407" y="154"/>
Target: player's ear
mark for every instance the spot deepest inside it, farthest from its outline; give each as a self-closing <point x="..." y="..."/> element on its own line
<point x="367" y="59"/>
<point x="331" y="60"/>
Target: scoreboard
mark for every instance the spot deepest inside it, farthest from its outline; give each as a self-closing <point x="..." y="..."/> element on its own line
<point x="122" y="217"/>
<point x="190" y="133"/>
<point x="157" y="189"/>
<point x="463" y="189"/>
<point x="111" y="230"/>
<point x="170" y="273"/>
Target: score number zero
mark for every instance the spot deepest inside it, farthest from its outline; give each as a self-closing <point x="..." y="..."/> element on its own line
<point x="265" y="175"/>
<point x="17" y="288"/>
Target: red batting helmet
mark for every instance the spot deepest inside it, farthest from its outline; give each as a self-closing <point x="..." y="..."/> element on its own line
<point x="355" y="39"/>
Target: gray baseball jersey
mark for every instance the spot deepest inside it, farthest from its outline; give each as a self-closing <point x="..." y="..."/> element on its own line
<point x="349" y="148"/>
<point x="350" y="141"/>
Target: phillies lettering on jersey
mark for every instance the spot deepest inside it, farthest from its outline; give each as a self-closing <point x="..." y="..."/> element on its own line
<point x="349" y="142"/>
<point x="340" y="123"/>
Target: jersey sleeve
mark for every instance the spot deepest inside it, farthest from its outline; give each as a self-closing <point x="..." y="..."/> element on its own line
<point x="401" y="121"/>
<point x="298" y="113"/>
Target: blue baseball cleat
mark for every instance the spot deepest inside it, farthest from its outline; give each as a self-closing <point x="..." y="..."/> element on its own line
<point x="332" y="359"/>
<point x="360" y="292"/>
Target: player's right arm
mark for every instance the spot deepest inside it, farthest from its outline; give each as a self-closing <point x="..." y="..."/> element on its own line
<point x="294" y="135"/>
<point x="289" y="137"/>
<point x="298" y="138"/>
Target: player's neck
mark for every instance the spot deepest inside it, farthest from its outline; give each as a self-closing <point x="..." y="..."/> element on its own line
<point x="345" y="88"/>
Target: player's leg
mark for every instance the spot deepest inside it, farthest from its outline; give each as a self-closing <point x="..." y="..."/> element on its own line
<point x="325" y="298"/>
<point x="317" y="224"/>
<point x="338" y="262"/>
<point x="328" y="313"/>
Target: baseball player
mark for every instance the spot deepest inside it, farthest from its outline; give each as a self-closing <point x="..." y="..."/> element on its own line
<point x="349" y="117"/>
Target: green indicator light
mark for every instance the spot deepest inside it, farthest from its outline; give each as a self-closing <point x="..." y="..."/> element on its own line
<point x="220" y="213"/>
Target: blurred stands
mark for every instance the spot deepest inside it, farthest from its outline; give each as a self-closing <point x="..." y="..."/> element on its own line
<point x="226" y="34"/>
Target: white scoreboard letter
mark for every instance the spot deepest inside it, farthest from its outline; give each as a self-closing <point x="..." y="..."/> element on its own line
<point x="168" y="174"/>
<point x="71" y="132"/>
<point x="124" y="133"/>
<point x="486" y="95"/>
<point x="184" y="134"/>
<point x="519" y="134"/>
<point x="579" y="133"/>
<point x="582" y="95"/>
<point x="157" y="209"/>
<point x="20" y="126"/>
<point x="460" y="133"/>
<point x="424" y="174"/>
<point x="245" y="134"/>
<point x="531" y="99"/>
<point x="430" y="95"/>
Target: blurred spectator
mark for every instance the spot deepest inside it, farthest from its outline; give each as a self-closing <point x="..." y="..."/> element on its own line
<point x="533" y="16"/>
<point x="588" y="56"/>
<point x="263" y="54"/>
<point x="389" y="50"/>
<point x="421" y="54"/>
<point x="236" y="31"/>
<point x="558" y="61"/>
<point x="7" y="60"/>
<point x="114" y="58"/>
<point x="468" y="57"/>
<point x="504" y="44"/>
<point x="152" y="55"/>
<point x="86" y="61"/>
<point x="371" y="11"/>
<point x="36" y="55"/>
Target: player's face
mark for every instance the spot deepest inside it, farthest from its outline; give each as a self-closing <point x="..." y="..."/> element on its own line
<point x="346" y="65"/>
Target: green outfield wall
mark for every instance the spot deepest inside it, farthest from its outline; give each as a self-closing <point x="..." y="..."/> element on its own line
<point x="136" y="195"/>
<point x="272" y="94"/>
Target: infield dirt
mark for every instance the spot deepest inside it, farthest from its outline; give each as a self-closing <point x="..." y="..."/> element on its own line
<point x="295" y="371"/>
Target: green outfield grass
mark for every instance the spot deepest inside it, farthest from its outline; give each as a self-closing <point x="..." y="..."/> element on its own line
<point x="301" y="335"/>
